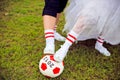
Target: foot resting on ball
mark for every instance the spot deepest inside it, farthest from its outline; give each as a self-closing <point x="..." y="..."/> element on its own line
<point x="60" y="54"/>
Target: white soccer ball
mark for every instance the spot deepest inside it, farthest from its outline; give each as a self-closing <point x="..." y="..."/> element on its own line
<point x="49" y="67"/>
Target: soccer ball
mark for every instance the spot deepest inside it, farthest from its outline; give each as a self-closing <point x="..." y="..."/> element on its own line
<point x="49" y="67"/>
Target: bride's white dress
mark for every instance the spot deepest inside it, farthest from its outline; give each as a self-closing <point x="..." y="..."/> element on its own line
<point x="99" y="18"/>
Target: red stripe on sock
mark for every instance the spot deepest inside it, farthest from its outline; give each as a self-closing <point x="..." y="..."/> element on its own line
<point x="49" y="33"/>
<point x="72" y="36"/>
<point x="49" y="36"/>
<point x="70" y="40"/>
<point x="99" y="41"/>
<point x="100" y="38"/>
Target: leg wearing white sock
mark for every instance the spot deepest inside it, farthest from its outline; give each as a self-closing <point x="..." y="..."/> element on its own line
<point x="58" y="36"/>
<point x="49" y="36"/>
<point x="62" y="52"/>
<point x="99" y="46"/>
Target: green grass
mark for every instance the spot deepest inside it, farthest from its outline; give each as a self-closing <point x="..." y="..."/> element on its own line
<point x="22" y="43"/>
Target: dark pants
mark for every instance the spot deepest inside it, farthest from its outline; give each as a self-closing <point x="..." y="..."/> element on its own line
<point x="52" y="7"/>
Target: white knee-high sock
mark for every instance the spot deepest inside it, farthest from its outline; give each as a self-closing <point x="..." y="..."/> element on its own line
<point x="99" y="46"/>
<point x="49" y="36"/>
<point x="62" y="52"/>
<point x="71" y="38"/>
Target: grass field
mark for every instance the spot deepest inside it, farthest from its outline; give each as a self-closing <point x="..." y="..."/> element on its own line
<point x="22" y="43"/>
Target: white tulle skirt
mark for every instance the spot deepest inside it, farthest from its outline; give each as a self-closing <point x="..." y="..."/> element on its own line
<point x="99" y="18"/>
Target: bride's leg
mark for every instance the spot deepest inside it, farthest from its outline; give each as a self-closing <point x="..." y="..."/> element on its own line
<point x="72" y="36"/>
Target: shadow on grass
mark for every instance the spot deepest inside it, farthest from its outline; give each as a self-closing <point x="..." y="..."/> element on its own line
<point x="115" y="55"/>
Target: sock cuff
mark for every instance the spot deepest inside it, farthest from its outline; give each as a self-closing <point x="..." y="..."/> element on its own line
<point x="72" y="36"/>
<point x="49" y="33"/>
<point x="100" y="40"/>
